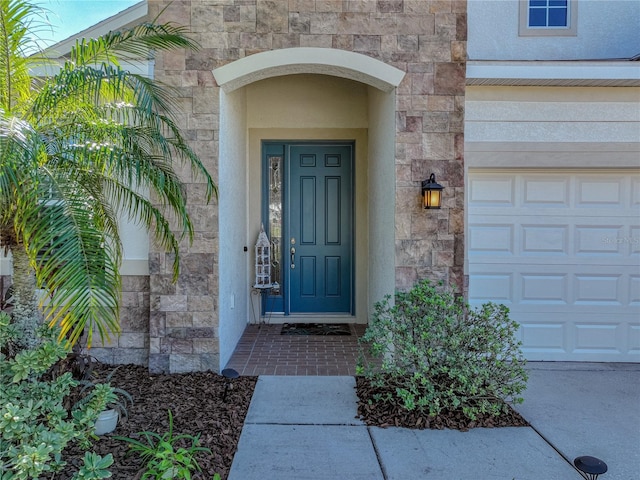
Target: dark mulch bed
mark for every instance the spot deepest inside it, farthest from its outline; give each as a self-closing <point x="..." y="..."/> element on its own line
<point x="385" y="415"/>
<point x="195" y="400"/>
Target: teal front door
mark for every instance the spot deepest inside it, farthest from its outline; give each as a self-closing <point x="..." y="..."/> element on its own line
<point x="317" y="241"/>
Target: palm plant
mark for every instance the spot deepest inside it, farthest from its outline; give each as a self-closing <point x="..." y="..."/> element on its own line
<point x="79" y="149"/>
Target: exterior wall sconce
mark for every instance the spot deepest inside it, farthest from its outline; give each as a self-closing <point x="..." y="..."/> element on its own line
<point x="432" y="192"/>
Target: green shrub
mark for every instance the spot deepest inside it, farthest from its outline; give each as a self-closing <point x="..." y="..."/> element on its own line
<point x="434" y="354"/>
<point x="34" y="425"/>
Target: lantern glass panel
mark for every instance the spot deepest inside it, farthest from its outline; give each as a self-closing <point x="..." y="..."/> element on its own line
<point x="432" y="198"/>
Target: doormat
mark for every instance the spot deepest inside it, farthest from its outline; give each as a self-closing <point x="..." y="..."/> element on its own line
<point x="315" y="329"/>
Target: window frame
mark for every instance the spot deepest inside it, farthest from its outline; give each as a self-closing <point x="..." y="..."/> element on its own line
<point x="571" y="30"/>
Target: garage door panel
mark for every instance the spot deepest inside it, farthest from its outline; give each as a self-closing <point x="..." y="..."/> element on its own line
<point x="633" y="241"/>
<point x="559" y="312"/>
<point x="548" y="265"/>
<point x="492" y="239"/>
<point x="586" y="337"/>
<point x="608" y="190"/>
<point x="542" y="191"/>
<point x="573" y="285"/>
<point x="545" y="239"/>
<point x="551" y="262"/>
<point x="633" y="336"/>
<point x="602" y="337"/>
<point x="562" y="251"/>
<point x="635" y="192"/>
<point x="497" y="192"/>
<point x="552" y="214"/>
<point x="552" y="235"/>
<point x="543" y="288"/>
<point x="599" y="290"/>
<point x="634" y="290"/>
<point x="581" y="191"/>
<point x="543" y="337"/>
<point x="599" y="240"/>
<point x="494" y="287"/>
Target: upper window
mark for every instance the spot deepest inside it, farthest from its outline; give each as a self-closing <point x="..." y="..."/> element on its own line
<point x="548" y="13"/>
<point x="548" y="17"/>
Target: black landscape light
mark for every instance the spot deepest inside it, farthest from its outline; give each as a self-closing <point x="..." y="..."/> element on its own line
<point x="229" y="374"/>
<point x="590" y="466"/>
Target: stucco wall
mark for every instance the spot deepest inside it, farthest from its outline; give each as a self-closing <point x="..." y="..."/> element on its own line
<point x="234" y="261"/>
<point x="595" y="38"/>
<point x="587" y="127"/>
<point x="425" y="39"/>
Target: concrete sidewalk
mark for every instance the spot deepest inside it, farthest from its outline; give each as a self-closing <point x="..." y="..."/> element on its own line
<point x="588" y="409"/>
<point x="306" y="428"/>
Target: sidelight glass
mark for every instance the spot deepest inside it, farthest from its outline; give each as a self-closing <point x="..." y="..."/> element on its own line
<point x="275" y="217"/>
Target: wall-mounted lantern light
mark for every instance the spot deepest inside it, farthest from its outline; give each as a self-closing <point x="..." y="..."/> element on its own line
<point x="263" y="261"/>
<point x="432" y="192"/>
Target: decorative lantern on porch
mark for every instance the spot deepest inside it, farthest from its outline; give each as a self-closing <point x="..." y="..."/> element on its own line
<point x="263" y="261"/>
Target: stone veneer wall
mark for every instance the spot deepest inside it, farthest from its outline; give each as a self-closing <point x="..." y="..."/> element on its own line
<point x="425" y="38"/>
<point x="132" y="346"/>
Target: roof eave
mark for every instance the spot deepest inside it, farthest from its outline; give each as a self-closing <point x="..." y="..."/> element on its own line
<point x="128" y="17"/>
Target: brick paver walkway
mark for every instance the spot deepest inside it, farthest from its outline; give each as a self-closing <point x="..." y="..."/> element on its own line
<point x="262" y="350"/>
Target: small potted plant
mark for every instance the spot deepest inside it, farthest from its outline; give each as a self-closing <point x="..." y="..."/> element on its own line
<point x="116" y="399"/>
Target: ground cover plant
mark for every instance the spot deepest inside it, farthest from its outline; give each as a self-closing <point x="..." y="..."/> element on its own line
<point x="46" y="432"/>
<point x="197" y="409"/>
<point x="35" y="425"/>
<point x="431" y="361"/>
<point x="162" y="455"/>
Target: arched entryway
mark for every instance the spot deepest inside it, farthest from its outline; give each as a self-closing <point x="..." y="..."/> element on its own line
<point x="294" y="95"/>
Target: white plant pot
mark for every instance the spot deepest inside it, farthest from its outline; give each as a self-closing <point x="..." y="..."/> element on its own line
<point x="106" y="422"/>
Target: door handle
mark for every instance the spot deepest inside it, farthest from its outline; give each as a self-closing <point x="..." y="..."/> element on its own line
<point x="293" y="257"/>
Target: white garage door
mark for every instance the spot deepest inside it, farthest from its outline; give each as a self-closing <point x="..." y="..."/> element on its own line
<point x="562" y="251"/>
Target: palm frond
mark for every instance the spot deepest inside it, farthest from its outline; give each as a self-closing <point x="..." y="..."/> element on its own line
<point x="139" y="209"/>
<point x="124" y="173"/>
<point x="114" y="96"/>
<point x="76" y="261"/>
<point x="14" y="73"/>
<point x="133" y="44"/>
<point x="19" y="149"/>
<point x="168" y="136"/>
